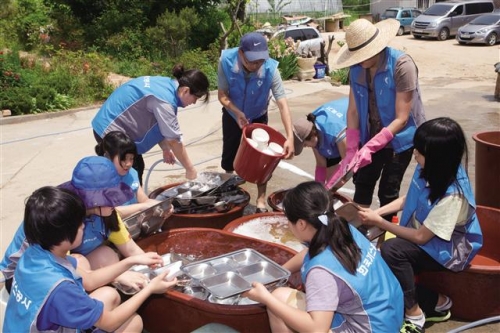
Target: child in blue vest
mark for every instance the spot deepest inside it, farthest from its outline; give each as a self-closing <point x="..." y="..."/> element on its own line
<point x="47" y="290"/>
<point x="349" y="288"/>
<point x="324" y="131"/>
<point x="121" y="150"/>
<point x="439" y="228"/>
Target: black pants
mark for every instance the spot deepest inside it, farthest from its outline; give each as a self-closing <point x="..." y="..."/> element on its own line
<point x="407" y="259"/>
<point x="390" y="168"/>
<point x="138" y="165"/>
<point x="231" y="137"/>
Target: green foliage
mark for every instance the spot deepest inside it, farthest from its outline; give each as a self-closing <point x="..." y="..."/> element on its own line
<point x="284" y="52"/>
<point x="201" y="60"/>
<point x="170" y="35"/>
<point x="32" y="22"/>
<point x="340" y="76"/>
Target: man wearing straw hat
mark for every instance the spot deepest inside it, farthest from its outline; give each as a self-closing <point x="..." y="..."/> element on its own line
<point x="246" y="76"/>
<point x="385" y="108"/>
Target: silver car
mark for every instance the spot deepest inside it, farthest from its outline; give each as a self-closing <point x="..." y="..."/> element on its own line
<point x="484" y="29"/>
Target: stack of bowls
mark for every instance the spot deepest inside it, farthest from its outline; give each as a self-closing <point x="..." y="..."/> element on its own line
<point x="260" y="141"/>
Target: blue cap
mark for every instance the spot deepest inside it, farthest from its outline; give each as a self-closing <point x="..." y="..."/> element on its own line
<point x="96" y="181"/>
<point x="254" y="46"/>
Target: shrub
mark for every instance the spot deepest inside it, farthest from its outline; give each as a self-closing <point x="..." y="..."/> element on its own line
<point x="284" y="52"/>
<point x="340" y="76"/>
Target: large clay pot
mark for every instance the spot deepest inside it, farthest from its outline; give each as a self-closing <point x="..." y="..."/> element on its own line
<point x="487" y="168"/>
<point x="175" y="311"/>
<point x="202" y="220"/>
<point x="476" y="290"/>
<point x="275" y="199"/>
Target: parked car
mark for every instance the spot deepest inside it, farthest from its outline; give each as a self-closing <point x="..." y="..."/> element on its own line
<point x="484" y="29"/>
<point x="405" y="16"/>
<point x="442" y="19"/>
<point x="310" y="38"/>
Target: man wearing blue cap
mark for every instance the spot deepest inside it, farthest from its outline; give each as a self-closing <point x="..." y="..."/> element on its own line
<point x="246" y="76"/>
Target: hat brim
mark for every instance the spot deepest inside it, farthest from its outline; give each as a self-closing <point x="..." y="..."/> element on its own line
<point x="387" y="31"/>
<point x="298" y="144"/>
<point x="256" y="55"/>
<point x="109" y="197"/>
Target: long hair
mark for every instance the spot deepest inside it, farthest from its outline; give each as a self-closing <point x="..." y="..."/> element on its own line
<point x="194" y="79"/>
<point x="116" y="143"/>
<point x="310" y="200"/>
<point x="442" y="142"/>
<point x="111" y="222"/>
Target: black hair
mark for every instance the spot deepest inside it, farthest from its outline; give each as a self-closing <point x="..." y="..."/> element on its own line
<point x="194" y="79"/>
<point x="116" y="143"/>
<point x="442" y="142"/>
<point x="308" y="201"/>
<point x="111" y="222"/>
<point x="52" y="215"/>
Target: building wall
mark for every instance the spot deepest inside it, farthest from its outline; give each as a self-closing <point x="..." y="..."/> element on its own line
<point x="296" y="6"/>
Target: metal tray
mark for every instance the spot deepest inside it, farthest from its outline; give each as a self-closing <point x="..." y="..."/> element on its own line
<point x="233" y="273"/>
<point x="147" y="221"/>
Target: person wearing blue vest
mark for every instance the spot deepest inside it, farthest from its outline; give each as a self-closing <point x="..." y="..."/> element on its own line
<point x="349" y="287"/>
<point x="146" y="109"/>
<point x="96" y="181"/>
<point x="324" y="131"/>
<point x="439" y="228"/>
<point x="385" y="108"/>
<point x="47" y="290"/>
<point x="246" y="76"/>
<point x="121" y="150"/>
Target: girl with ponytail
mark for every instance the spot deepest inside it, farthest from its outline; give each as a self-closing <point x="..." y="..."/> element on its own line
<point x="349" y="288"/>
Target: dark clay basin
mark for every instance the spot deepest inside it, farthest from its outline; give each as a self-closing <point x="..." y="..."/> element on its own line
<point x="175" y="311"/>
<point x="275" y="199"/>
<point x="216" y="220"/>
<point x="476" y="290"/>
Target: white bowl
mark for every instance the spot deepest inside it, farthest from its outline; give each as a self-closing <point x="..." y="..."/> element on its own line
<point x="260" y="136"/>
<point x="268" y="151"/>
<point x="252" y="142"/>
<point x="276" y="148"/>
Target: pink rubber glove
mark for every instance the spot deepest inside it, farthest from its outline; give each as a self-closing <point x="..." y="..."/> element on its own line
<point x="320" y="174"/>
<point x="364" y="155"/>
<point x="352" y="143"/>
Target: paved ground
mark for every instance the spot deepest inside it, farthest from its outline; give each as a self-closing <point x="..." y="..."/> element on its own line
<point x="42" y="150"/>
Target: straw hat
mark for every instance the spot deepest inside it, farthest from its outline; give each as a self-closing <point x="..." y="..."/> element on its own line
<point x="364" y="40"/>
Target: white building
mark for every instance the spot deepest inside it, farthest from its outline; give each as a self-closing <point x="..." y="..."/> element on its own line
<point x="325" y="7"/>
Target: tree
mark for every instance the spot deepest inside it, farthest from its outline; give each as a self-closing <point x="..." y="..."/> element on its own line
<point x="277" y="6"/>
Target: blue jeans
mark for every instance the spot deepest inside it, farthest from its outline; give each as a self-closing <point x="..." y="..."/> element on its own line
<point x="390" y="168"/>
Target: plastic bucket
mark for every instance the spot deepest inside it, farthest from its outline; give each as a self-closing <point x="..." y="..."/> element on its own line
<point x="487" y="168"/>
<point x="253" y="165"/>
<point x="320" y="71"/>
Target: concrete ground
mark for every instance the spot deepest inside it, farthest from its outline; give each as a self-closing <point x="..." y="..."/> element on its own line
<point x="43" y="149"/>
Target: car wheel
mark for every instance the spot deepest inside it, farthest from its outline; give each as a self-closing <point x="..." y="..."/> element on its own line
<point x="401" y="31"/>
<point x="443" y="34"/>
<point x="491" y="39"/>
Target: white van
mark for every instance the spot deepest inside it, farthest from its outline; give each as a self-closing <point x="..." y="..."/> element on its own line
<point x="442" y="19"/>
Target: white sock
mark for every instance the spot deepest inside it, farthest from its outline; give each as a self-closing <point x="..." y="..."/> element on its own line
<point x="417" y="320"/>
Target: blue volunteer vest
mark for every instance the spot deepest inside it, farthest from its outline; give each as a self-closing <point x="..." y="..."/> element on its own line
<point x="94" y="235"/>
<point x="250" y="95"/>
<point x="385" y="92"/>
<point x="16" y="248"/>
<point x="374" y="286"/>
<point x="331" y="122"/>
<point x="130" y="110"/>
<point x="37" y="274"/>
<point x="132" y="180"/>
<point x="466" y="240"/>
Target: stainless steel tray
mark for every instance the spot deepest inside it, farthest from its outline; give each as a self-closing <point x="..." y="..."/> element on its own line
<point x="233" y="273"/>
<point x="147" y="221"/>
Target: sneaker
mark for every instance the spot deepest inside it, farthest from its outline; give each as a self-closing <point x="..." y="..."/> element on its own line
<point x="437" y="316"/>
<point x="409" y="327"/>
